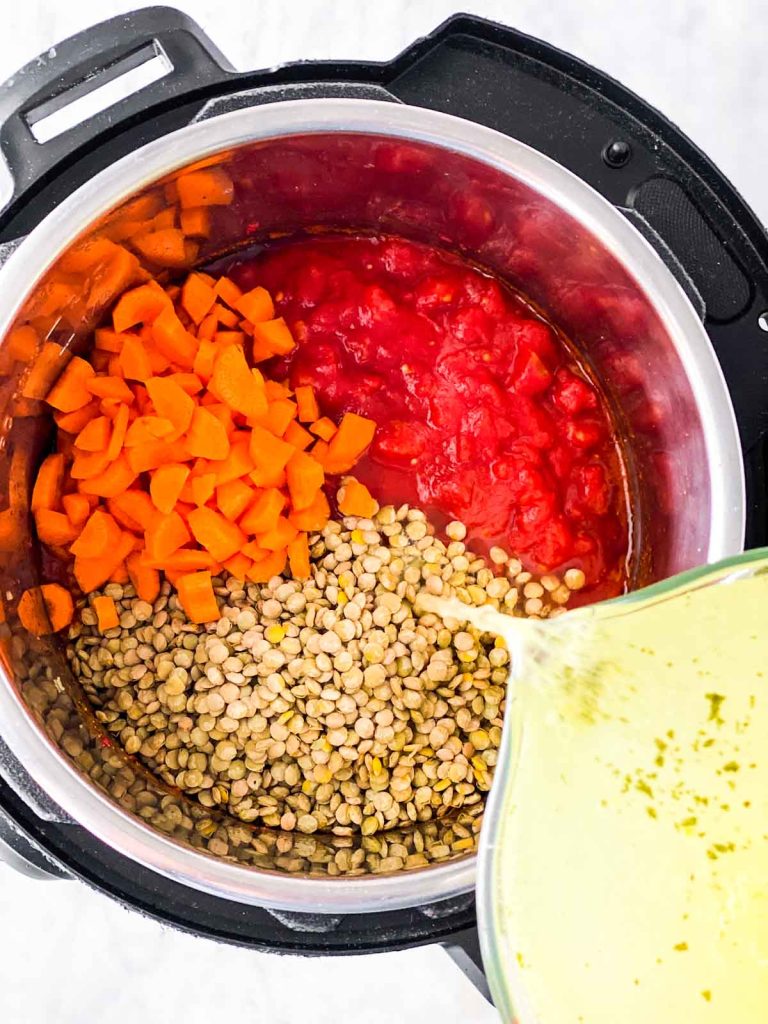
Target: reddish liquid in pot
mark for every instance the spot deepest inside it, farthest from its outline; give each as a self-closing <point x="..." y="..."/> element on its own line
<point x="485" y="414"/>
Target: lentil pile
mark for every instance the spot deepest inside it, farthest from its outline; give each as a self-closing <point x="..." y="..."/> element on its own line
<point x="329" y="705"/>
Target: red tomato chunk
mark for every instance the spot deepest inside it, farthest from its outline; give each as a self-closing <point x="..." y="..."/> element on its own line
<point x="484" y="413"/>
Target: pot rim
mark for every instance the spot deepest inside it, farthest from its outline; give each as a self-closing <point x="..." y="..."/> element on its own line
<point x="47" y="765"/>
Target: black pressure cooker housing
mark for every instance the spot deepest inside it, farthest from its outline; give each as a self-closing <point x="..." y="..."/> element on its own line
<point x="467" y="67"/>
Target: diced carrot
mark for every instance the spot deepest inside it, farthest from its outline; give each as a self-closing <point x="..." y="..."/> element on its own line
<point x="146" y="429"/>
<point x="113" y="368"/>
<point x="209" y="187"/>
<point x="115" y="479"/>
<point x="111" y="278"/>
<point x="314" y="517"/>
<point x="166" y="484"/>
<point x="134" y="506"/>
<point x="95" y="435"/>
<point x="77" y="507"/>
<point x="233" y="498"/>
<point x="141" y="305"/>
<point x="165" y="218"/>
<point x="145" y="580"/>
<point x="87" y="465"/>
<point x="305" y="477"/>
<point x="323" y="428"/>
<point x="349" y="442"/>
<point x="92" y="573"/>
<point x="222" y="413"/>
<point x="197" y="598"/>
<point x="297" y="436"/>
<point x="119" y="430"/>
<point x="270" y="454"/>
<point x="188" y="382"/>
<point x="275" y="336"/>
<point x="110" y="387"/>
<point x="171" y="403"/>
<point x="134" y="359"/>
<point x="227" y="291"/>
<point x="45" y="609"/>
<point x="196" y="221"/>
<point x="203" y="488"/>
<point x="54" y="528"/>
<point x="48" y="483"/>
<point x="254" y="552"/>
<point x="106" y="612"/>
<point x="73" y="422"/>
<point x="151" y="454"/>
<point x="238" y="566"/>
<point x="319" y="451"/>
<point x="165" y="247"/>
<point x="263" y="514"/>
<point x="235" y="384"/>
<point x="197" y="297"/>
<point x="298" y="557"/>
<point x="238" y="463"/>
<point x="272" y="565"/>
<point x="215" y="533"/>
<point x="354" y="499"/>
<point x="260" y="353"/>
<point x="133" y="509"/>
<point x="208" y="328"/>
<point x="207" y="436"/>
<point x="120" y="574"/>
<point x="101" y="361"/>
<point x="70" y="392"/>
<point x="224" y="338"/>
<point x="186" y="560"/>
<point x="275" y="390"/>
<point x="21" y="344"/>
<point x="119" y="515"/>
<point x="279" y="537"/>
<point x="85" y="254"/>
<point x="309" y="410"/>
<point x="279" y="416"/>
<point x="165" y="535"/>
<point x="204" y="360"/>
<point x="109" y="341"/>
<point x="157" y="360"/>
<point x="140" y="207"/>
<point x="224" y="316"/>
<point x="99" y="534"/>
<point x="256" y="305"/>
<point x="173" y="340"/>
<point x="268" y="478"/>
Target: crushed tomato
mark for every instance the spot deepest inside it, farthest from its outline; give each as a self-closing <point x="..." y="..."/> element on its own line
<point x="484" y="412"/>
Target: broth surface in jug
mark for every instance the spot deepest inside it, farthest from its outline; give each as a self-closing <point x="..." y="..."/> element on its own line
<point x="629" y="870"/>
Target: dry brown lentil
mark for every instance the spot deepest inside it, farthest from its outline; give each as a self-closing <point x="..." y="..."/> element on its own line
<point x="330" y="705"/>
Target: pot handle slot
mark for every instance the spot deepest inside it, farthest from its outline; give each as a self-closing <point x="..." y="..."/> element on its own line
<point x="97" y="82"/>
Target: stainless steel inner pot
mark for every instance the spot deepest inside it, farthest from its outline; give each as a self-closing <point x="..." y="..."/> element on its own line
<point x="391" y="168"/>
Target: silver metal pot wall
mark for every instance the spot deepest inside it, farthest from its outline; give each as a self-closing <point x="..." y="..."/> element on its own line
<point x="397" y="169"/>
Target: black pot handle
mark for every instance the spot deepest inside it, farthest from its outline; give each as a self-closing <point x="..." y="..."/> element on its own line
<point x="92" y="58"/>
<point x="463" y="947"/>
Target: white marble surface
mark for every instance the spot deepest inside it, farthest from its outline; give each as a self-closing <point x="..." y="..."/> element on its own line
<point x="69" y="955"/>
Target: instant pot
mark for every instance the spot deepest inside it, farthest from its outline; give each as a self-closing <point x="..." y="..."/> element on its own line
<point x="477" y="138"/>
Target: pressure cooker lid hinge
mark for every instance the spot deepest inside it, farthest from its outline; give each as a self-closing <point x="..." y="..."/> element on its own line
<point x="292" y="91"/>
